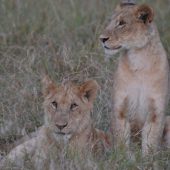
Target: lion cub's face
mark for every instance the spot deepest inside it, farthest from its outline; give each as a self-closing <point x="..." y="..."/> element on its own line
<point x="67" y="107"/>
<point x="130" y="27"/>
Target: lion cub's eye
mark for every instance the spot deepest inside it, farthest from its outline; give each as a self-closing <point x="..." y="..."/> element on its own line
<point x="54" y="104"/>
<point x="73" y="106"/>
<point x="121" y="23"/>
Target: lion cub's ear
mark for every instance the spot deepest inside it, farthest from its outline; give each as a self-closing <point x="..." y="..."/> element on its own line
<point x="48" y="86"/>
<point x="89" y="89"/>
<point x="145" y="14"/>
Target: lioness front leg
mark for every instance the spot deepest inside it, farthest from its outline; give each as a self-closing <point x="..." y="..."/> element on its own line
<point x="121" y="124"/>
<point x="153" y="127"/>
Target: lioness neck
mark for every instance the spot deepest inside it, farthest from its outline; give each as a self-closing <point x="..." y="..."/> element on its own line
<point x="149" y="56"/>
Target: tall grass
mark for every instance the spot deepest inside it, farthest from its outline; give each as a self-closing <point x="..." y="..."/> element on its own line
<point x="61" y="38"/>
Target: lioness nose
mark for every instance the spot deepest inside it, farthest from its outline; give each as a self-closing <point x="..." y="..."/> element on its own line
<point x="61" y="126"/>
<point x="104" y="39"/>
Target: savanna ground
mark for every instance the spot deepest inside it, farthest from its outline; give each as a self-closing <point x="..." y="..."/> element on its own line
<point x="61" y="38"/>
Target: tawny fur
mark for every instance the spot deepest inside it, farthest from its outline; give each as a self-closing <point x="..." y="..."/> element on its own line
<point x="140" y="91"/>
<point x="166" y="133"/>
<point x="68" y="124"/>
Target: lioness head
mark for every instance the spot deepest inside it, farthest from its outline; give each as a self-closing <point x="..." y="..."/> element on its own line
<point x="130" y="27"/>
<point x="68" y="106"/>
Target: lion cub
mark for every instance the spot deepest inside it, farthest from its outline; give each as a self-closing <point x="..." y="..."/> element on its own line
<point x="67" y="123"/>
<point x="140" y="91"/>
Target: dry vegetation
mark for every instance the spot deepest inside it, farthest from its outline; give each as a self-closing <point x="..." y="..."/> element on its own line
<point x="61" y="38"/>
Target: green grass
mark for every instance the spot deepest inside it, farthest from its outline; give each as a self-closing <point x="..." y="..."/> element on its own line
<point x="61" y="38"/>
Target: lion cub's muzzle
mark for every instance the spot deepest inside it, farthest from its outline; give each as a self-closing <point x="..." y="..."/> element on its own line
<point x="61" y="127"/>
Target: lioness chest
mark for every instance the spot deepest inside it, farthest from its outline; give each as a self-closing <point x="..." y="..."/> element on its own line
<point x="138" y="94"/>
<point x="138" y="86"/>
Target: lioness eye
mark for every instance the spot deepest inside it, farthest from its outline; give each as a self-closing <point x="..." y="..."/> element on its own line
<point x="54" y="104"/>
<point x="121" y="22"/>
<point x="73" y="105"/>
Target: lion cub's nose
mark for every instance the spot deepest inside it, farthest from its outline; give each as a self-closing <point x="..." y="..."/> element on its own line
<point x="103" y="39"/>
<point x="61" y="126"/>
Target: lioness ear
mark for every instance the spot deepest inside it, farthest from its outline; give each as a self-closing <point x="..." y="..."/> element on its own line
<point x="47" y="86"/>
<point x="145" y="14"/>
<point x="89" y="89"/>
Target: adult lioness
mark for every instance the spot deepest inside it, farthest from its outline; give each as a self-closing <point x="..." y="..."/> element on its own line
<point x="67" y="123"/>
<point x="140" y="91"/>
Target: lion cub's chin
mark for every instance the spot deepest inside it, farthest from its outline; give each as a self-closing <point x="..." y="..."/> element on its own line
<point x="62" y="137"/>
